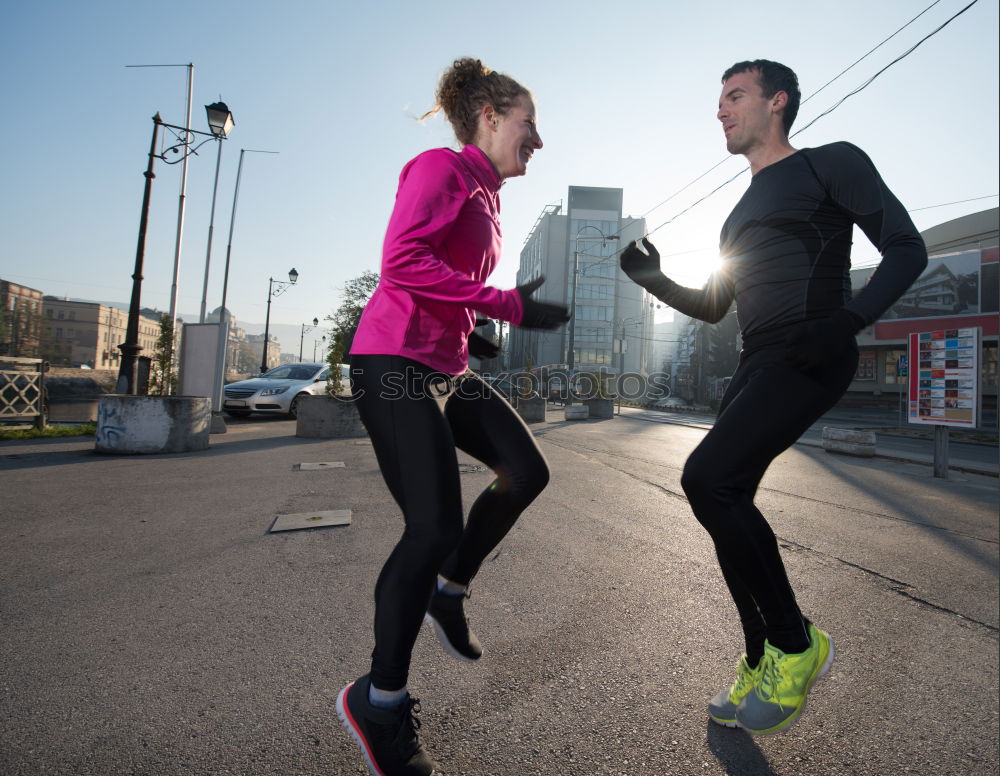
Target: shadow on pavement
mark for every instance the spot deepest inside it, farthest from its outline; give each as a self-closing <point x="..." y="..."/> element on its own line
<point x="981" y="550"/>
<point x="736" y="751"/>
<point x="13" y="458"/>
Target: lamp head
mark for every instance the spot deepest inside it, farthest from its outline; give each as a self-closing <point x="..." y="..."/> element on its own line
<point x="292" y="275"/>
<point x="220" y="120"/>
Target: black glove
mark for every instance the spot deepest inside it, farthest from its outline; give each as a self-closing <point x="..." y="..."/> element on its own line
<point x="642" y="268"/>
<point x="821" y="341"/>
<point x="480" y="347"/>
<point x="540" y="315"/>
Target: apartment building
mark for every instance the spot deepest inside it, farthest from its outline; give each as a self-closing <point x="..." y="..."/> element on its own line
<point x="89" y="333"/>
<point x="20" y="320"/>
<point x="577" y="252"/>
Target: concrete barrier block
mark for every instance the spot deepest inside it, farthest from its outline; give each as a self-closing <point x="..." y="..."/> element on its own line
<point x="577" y="412"/>
<point x="321" y="417"/>
<point x="600" y="408"/>
<point x="147" y="425"/>
<point x="531" y="410"/>
<point x="849" y="442"/>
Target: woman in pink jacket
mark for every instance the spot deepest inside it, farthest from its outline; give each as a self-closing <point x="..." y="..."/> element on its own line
<point x="419" y="401"/>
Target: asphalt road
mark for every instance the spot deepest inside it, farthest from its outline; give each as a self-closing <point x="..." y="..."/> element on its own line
<point x="151" y="624"/>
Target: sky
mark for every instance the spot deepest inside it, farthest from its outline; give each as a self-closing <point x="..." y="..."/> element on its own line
<point x="626" y="95"/>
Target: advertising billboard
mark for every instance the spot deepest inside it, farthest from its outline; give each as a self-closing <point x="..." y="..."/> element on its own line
<point x="943" y="380"/>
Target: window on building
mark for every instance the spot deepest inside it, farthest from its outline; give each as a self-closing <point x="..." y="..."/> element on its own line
<point x="989" y="366"/>
<point x="892" y="370"/>
<point x="989" y="286"/>
<point x="866" y="366"/>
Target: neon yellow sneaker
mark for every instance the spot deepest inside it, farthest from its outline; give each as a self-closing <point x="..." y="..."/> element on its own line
<point x="783" y="681"/>
<point x="722" y="708"/>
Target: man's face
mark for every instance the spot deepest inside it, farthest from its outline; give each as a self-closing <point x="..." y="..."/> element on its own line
<point x="745" y="112"/>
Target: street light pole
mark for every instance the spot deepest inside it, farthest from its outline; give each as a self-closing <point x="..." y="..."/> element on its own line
<point x="315" y="343"/>
<point x="282" y="285"/>
<point x="221" y="122"/>
<point x="130" y="348"/>
<point x="571" y="354"/>
<point x="180" y="208"/>
<point x="302" y="337"/>
<point x="623" y="322"/>
<point x="220" y="350"/>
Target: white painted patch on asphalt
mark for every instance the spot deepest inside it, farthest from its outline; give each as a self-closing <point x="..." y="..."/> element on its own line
<point x="311" y="520"/>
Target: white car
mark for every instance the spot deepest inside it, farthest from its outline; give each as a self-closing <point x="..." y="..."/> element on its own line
<point x="277" y="391"/>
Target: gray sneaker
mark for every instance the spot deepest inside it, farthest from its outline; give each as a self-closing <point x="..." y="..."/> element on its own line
<point x="722" y="708"/>
<point x="783" y="682"/>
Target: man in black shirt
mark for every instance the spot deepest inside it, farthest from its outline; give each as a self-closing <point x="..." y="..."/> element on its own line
<point x="786" y="263"/>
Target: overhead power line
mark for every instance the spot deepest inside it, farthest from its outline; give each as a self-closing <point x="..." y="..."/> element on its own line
<point x="827" y="112"/>
<point x="803" y="102"/>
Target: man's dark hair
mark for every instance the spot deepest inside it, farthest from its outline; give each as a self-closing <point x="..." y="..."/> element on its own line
<point x="773" y="77"/>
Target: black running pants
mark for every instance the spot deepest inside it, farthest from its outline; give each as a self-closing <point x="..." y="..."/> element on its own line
<point x="768" y="405"/>
<point x="416" y="419"/>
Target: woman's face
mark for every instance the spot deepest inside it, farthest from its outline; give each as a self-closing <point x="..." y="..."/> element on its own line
<point x="511" y="139"/>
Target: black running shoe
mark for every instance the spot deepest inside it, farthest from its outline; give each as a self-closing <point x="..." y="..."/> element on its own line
<point x="445" y="613"/>
<point x="387" y="737"/>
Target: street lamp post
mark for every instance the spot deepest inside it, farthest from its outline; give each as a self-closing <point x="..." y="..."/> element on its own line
<point x="220" y="121"/>
<point x="218" y="426"/>
<point x="128" y="373"/>
<point x="282" y="286"/>
<point x="130" y="348"/>
<point x="571" y="355"/>
<point x="302" y="337"/>
<point x="622" y="344"/>
<point x="316" y="342"/>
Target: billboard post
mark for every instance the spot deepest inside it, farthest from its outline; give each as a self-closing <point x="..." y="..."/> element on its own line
<point x="943" y="384"/>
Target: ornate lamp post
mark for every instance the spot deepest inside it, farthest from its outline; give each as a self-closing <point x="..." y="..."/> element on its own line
<point x="316" y="342"/>
<point x="128" y="369"/>
<point x="282" y="286"/>
<point x="302" y="337"/>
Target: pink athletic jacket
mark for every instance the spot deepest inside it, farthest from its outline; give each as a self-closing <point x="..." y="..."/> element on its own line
<point x="442" y="242"/>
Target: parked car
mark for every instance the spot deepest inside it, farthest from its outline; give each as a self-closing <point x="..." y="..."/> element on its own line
<point x="277" y="391"/>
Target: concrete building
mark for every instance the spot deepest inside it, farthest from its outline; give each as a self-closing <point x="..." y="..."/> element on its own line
<point x="959" y="289"/>
<point x="613" y="317"/>
<point x="20" y="320"/>
<point x="242" y="356"/>
<point x="89" y="333"/>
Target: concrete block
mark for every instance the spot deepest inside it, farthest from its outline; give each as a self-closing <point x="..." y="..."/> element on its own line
<point x="147" y="425"/>
<point x="600" y="408"/>
<point x="322" y="417"/>
<point x="531" y="410"/>
<point x="849" y="441"/>
<point x="577" y="412"/>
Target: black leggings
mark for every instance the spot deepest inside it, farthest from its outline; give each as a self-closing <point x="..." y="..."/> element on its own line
<point x="768" y="405"/>
<point x="416" y="418"/>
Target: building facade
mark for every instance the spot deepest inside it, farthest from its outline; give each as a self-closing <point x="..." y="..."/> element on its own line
<point x="612" y="325"/>
<point x="89" y="333"/>
<point x="21" y="320"/>
<point x="959" y="289"/>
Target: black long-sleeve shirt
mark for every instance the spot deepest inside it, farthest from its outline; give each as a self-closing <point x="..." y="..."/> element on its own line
<point x="786" y="246"/>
